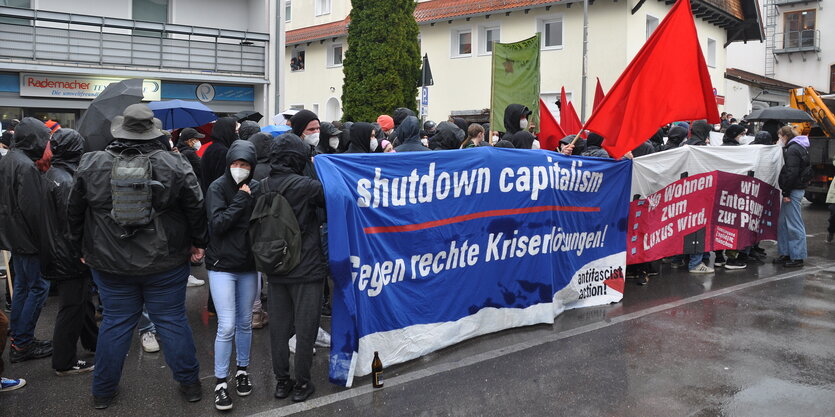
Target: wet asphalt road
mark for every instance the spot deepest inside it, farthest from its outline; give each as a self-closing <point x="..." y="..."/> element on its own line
<point x="753" y="342"/>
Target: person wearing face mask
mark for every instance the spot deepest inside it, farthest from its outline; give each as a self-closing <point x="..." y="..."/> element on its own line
<point x="187" y="144"/>
<point x="328" y="138"/>
<point x="362" y="138"/>
<point x="387" y="125"/>
<point x="306" y="125"/>
<point x="516" y="118"/>
<point x="233" y="279"/>
<point x="213" y="163"/>
<point x="409" y="134"/>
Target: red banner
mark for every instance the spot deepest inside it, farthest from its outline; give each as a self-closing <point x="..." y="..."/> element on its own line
<point x="705" y="212"/>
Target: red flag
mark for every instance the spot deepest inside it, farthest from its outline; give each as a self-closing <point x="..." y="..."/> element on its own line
<point x="569" y="120"/>
<point x="666" y="81"/>
<point x="598" y="95"/>
<point x="550" y="131"/>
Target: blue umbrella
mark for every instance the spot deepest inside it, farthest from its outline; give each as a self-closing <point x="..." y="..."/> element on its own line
<point x="276" y="130"/>
<point x="176" y="114"/>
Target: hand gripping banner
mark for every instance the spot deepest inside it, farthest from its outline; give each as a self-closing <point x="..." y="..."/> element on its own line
<point x="428" y="249"/>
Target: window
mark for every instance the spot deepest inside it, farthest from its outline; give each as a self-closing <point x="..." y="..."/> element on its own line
<point x="335" y="55"/>
<point x="652" y="23"/>
<point x="297" y="60"/>
<point x="551" y="100"/>
<point x="799" y="29"/>
<point x="488" y="35"/>
<point x="25" y="4"/>
<point x="288" y="11"/>
<point x="551" y="30"/>
<point x="151" y="10"/>
<point x="462" y="43"/>
<point x="711" y="53"/>
<point x="323" y="7"/>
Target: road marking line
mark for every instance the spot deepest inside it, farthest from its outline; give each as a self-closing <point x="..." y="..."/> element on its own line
<point x="518" y="347"/>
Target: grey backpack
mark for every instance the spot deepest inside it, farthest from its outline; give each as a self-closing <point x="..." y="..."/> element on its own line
<point x="131" y="189"/>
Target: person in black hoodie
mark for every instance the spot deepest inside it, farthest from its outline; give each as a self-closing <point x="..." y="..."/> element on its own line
<point x="513" y="116"/>
<point x="232" y="277"/>
<point x="361" y="137"/>
<point x="187" y="144"/>
<point x="762" y="138"/>
<point x="522" y="139"/>
<point x="399" y="115"/>
<point x="409" y="133"/>
<point x="732" y="135"/>
<point x="448" y="137"/>
<point x="23" y="199"/>
<point x="213" y="163"/>
<point x="657" y="141"/>
<point x="699" y="133"/>
<point x="296" y="298"/>
<point x="594" y="146"/>
<point x="247" y="129"/>
<point x="262" y="143"/>
<point x="329" y="137"/>
<point x="77" y="315"/>
<point x="675" y="137"/>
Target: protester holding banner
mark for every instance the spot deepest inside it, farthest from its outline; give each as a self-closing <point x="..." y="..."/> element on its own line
<point x="794" y="177"/>
<point x="594" y="146"/>
<point x="730" y="258"/>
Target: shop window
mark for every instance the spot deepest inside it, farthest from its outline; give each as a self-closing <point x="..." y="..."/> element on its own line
<point x="551" y="30"/>
<point x="462" y="43"/>
<point x="799" y="29"/>
<point x="297" y="60"/>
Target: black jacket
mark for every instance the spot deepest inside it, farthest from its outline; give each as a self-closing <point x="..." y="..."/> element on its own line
<point x="675" y="137"/>
<point x="699" y="133"/>
<point x="247" y="129"/>
<point x="23" y="194"/>
<point x="191" y="156"/>
<point x="300" y="120"/>
<point x="797" y="170"/>
<point x="448" y="136"/>
<point x="288" y="156"/>
<point x="360" y="138"/>
<point x="594" y="147"/>
<point x="213" y="163"/>
<point x="179" y="223"/>
<point x="409" y="133"/>
<point x="512" y="115"/>
<point x="522" y="139"/>
<point x="262" y="154"/>
<point x="64" y="263"/>
<point x="229" y="210"/>
<point x="400" y="114"/>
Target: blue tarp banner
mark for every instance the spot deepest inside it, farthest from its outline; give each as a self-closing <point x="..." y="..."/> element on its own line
<point x="431" y="248"/>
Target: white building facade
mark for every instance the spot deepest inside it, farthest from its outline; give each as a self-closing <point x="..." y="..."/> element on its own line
<point x="56" y="55"/>
<point x="457" y="38"/>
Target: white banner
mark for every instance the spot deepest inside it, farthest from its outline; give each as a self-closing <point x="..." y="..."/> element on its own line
<point x="67" y="86"/>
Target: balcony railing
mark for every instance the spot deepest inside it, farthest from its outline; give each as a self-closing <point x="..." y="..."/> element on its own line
<point x="39" y="35"/>
<point x="797" y="41"/>
<point x="787" y="2"/>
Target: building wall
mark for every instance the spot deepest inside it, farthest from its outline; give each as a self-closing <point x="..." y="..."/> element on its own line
<point x="304" y="13"/>
<point x="317" y="83"/>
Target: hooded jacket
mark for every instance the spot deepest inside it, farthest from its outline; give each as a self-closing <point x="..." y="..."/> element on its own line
<point x="645" y="148"/>
<point x="164" y="244"/>
<point x="657" y="141"/>
<point x="399" y="115"/>
<point x="698" y="133"/>
<point x="448" y="136"/>
<point x="67" y="148"/>
<point x="213" y="163"/>
<point x="512" y="115"/>
<point x="409" y="132"/>
<point x="675" y="137"/>
<point x="191" y="156"/>
<point x="762" y="138"/>
<point x="247" y="129"/>
<point x="23" y="193"/>
<point x="288" y="157"/>
<point x="729" y="139"/>
<point x="262" y="154"/>
<point x="326" y="132"/>
<point x="229" y="209"/>
<point x="300" y="120"/>
<point x="594" y="146"/>
<point x="579" y="145"/>
<point x="797" y="170"/>
<point x="360" y="138"/>
<point x="522" y="140"/>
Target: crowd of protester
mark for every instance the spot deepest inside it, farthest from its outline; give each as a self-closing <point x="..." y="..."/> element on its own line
<point x="63" y="211"/>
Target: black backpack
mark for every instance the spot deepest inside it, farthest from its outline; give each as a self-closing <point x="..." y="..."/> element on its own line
<point x="274" y="231"/>
<point x="131" y="189"/>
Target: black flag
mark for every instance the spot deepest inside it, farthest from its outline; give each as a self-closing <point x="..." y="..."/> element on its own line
<point x="426" y="73"/>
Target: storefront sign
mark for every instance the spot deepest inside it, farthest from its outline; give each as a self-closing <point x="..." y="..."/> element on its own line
<point x="67" y="86"/>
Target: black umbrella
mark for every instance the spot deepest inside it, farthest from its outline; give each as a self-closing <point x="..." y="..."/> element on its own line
<point x="94" y="126"/>
<point x="783" y="114"/>
<point x="248" y="115"/>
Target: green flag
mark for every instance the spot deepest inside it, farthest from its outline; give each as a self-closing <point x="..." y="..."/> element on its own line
<point x="515" y="80"/>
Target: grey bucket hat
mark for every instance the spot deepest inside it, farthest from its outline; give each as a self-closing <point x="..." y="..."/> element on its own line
<point x="136" y="123"/>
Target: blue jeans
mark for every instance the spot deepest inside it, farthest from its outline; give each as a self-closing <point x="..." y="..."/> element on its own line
<point x="145" y="323"/>
<point x="233" y="293"/>
<point x="696" y="259"/>
<point x="30" y="292"/>
<point x="164" y="295"/>
<point x="791" y="231"/>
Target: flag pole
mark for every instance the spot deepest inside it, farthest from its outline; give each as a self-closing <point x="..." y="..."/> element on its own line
<point x="585" y="59"/>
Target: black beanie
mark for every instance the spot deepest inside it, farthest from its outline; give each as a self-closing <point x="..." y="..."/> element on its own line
<point x="300" y="120"/>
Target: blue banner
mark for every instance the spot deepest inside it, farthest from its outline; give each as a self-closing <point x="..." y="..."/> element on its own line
<point x="431" y="248"/>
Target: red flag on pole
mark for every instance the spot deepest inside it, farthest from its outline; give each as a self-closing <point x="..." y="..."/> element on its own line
<point x="569" y="120"/>
<point x="666" y="81"/>
<point x="550" y="131"/>
<point x="598" y="95"/>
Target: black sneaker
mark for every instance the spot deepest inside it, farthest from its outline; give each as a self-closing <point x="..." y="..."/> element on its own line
<point x="80" y="367"/>
<point x="303" y="391"/>
<point x="283" y="388"/>
<point x="735" y="264"/>
<point x="100" y="403"/>
<point x="781" y="260"/>
<point x="222" y="399"/>
<point x="720" y="260"/>
<point x="44" y="343"/>
<point x="794" y="263"/>
<point x="192" y="392"/>
<point x="30" y="351"/>
<point x="242" y="385"/>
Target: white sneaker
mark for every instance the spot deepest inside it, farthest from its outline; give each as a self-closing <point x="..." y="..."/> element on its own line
<point x="323" y="339"/>
<point x="194" y="282"/>
<point x="292" y="345"/>
<point x="702" y="269"/>
<point x="149" y="342"/>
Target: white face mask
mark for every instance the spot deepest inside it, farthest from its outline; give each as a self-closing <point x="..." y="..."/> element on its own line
<point x="425" y="142"/>
<point x="374" y="144"/>
<point x="494" y="139"/>
<point x="333" y="142"/>
<point x="196" y="145"/>
<point x="535" y="144"/>
<point x="523" y="124"/>
<point x="4" y="151"/>
<point x="312" y="139"/>
<point x="239" y="174"/>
